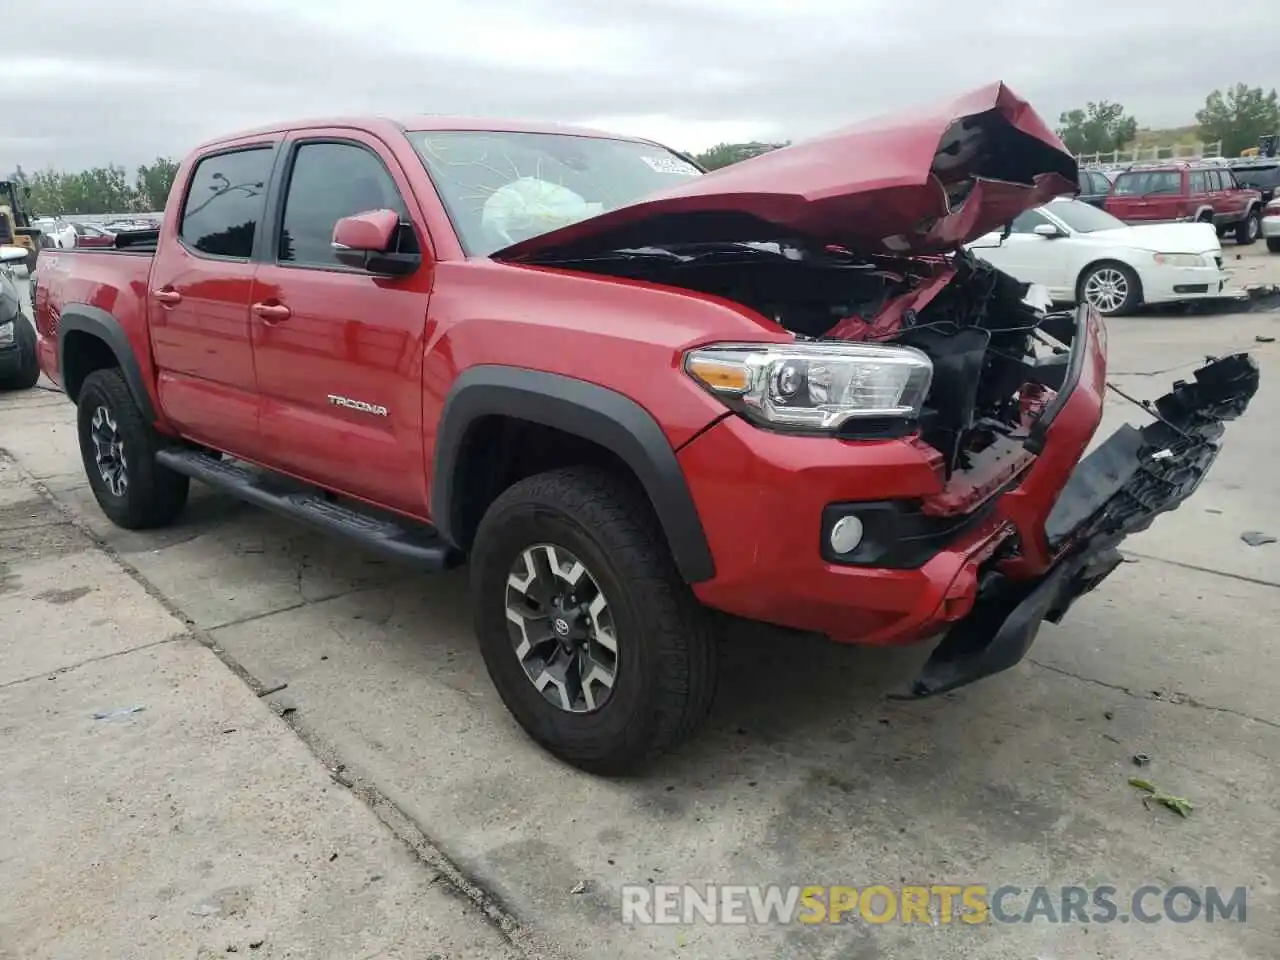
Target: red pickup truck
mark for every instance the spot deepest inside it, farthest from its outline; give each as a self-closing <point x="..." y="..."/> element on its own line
<point x="625" y="391"/>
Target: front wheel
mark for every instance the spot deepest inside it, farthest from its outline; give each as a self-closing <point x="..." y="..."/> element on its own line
<point x="1110" y="288"/>
<point x="1248" y="229"/>
<point x="118" y="448"/>
<point x="592" y="639"/>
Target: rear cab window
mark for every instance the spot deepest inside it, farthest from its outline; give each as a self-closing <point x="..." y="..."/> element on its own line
<point x="225" y="202"/>
<point x="1138" y="183"/>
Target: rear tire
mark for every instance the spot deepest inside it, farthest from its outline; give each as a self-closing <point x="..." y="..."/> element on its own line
<point x="1273" y="244"/>
<point x="1249" y="229"/>
<point x="28" y="364"/>
<point x="662" y="670"/>
<point x="118" y="448"/>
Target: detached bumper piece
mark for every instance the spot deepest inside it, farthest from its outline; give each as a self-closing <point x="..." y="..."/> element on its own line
<point x="1119" y="489"/>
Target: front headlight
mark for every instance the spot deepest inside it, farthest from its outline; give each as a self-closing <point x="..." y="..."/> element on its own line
<point x="1180" y="260"/>
<point x="814" y="386"/>
<point x="6" y="333"/>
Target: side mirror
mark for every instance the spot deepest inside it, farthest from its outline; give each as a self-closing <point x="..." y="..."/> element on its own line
<point x="365" y="241"/>
<point x="1047" y="230"/>
<point x="12" y="254"/>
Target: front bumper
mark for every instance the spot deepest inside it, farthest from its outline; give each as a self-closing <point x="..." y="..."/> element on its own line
<point x="1183" y="283"/>
<point x="1119" y="489"/>
<point x="1271" y="227"/>
<point x="1029" y="553"/>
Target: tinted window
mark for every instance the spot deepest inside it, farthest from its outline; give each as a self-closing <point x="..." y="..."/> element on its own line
<point x="1215" y="180"/>
<point x="1100" y="183"/>
<point x="1199" y="181"/>
<point x="1147" y="182"/>
<point x="1228" y="181"/>
<point x="1028" y="221"/>
<point x="1263" y="178"/>
<point x="225" y="201"/>
<point x="331" y="181"/>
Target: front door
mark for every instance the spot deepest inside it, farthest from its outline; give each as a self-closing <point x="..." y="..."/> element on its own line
<point x="198" y="301"/>
<point x="338" y="350"/>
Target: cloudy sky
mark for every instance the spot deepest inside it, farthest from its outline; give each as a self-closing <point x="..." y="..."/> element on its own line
<point x="96" y="81"/>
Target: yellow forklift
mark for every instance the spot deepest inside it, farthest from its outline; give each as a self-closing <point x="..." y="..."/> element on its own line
<point x="15" y="222"/>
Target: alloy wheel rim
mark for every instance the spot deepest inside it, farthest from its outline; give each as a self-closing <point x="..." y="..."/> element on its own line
<point x="562" y="629"/>
<point x="1106" y="289"/>
<point x="108" y="452"/>
<point x="1253" y="228"/>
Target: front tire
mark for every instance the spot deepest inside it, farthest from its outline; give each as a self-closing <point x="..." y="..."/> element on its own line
<point x="118" y="448"/>
<point x="1111" y="288"/>
<point x="1248" y="229"/>
<point x="1273" y="244"/>
<point x="28" y="371"/>
<point x="592" y="639"/>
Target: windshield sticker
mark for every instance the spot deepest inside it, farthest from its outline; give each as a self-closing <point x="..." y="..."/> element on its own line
<point x="671" y="165"/>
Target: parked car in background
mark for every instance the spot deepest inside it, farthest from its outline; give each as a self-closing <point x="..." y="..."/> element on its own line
<point x="1094" y="187"/>
<point x="1085" y="255"/>
<point x="1261" y="174"/>
<point x="1271" y="225"/>
<point x="1175" y="192"/>
<point x="91" y="235"/>
<point x="61" y="234"/>
<point x="19" y="367"/>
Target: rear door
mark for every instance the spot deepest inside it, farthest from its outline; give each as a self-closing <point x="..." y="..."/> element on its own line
<point x="198" y="307"/>
<point x="338" y="350"/>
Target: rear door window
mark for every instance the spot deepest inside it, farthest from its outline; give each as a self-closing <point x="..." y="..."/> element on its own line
<point x="1199" y="181"/>
<point x="225" y="201"/>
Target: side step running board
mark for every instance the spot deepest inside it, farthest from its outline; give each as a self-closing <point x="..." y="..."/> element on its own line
<point x="401" y="540"/>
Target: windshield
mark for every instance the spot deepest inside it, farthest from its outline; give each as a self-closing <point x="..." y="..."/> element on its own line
<point x="1149" y="181"/>
<point x="1083" y="218"/>
<point x="500" y="187"/>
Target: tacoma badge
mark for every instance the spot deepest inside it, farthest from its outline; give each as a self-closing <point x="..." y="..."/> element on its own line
<point x="375" y="409"/>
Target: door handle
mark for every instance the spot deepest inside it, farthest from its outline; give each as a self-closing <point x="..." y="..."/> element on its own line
<point x="271" y="312"/>
<point x="167" y="297"/>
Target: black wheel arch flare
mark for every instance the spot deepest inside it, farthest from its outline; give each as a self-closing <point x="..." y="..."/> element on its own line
<point x="603" y="416"/>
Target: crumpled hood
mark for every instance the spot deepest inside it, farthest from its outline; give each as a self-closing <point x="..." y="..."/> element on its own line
<point x="917" y="182"/>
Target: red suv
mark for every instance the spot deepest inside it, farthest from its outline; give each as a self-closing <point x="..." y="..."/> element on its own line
<point x="1184" y="192"/>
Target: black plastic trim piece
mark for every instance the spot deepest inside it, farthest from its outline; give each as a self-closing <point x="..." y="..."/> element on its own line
<point x="1075" y="366"/>
<point x="896" y="534"/>
<point x="83" y="318"/>
<point x="583" y="409"/>
<point x="417" y="544"/>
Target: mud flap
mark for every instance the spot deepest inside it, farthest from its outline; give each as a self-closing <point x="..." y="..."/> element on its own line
<point x="1118" y="489"/>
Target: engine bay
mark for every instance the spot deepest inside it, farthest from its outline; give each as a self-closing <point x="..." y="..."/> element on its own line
<point x="998" y="357"/>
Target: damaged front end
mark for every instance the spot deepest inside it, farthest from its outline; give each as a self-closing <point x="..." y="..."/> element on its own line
<point x="1117" y="490"/>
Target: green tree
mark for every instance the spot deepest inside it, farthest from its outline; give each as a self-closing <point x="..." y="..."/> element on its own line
<point x="153" y="183"/>
<point x="1238" y="117"/>
<point x="723" y="154"/>
<point x="1098" y="128"/>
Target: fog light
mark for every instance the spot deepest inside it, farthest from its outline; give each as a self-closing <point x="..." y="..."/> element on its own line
<point x="846" y="534"/>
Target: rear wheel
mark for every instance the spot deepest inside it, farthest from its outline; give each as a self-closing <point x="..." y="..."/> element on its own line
<point x="1111" y="288"/>
<point x="118" y="448"/>
<point x="28" y="372"/>
<point x="1248" y="229"/>
<point x="594" y="642"/>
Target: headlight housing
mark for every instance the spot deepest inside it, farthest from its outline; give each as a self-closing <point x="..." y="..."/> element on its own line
<point x="7" y="332"/>
<point x="1180" y="260"/>
<point x="814" y="387"/>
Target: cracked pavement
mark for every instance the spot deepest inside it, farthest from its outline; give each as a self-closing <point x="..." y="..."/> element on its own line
<point x="807" y="773"/>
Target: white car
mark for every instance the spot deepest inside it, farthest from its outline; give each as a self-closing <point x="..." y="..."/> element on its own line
<point x="1080" y="253"/>
<point x="1271" y="225"/>
<point x="61" y="233"/>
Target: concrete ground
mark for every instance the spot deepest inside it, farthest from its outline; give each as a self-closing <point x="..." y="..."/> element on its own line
<point x="808" y="773"/>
